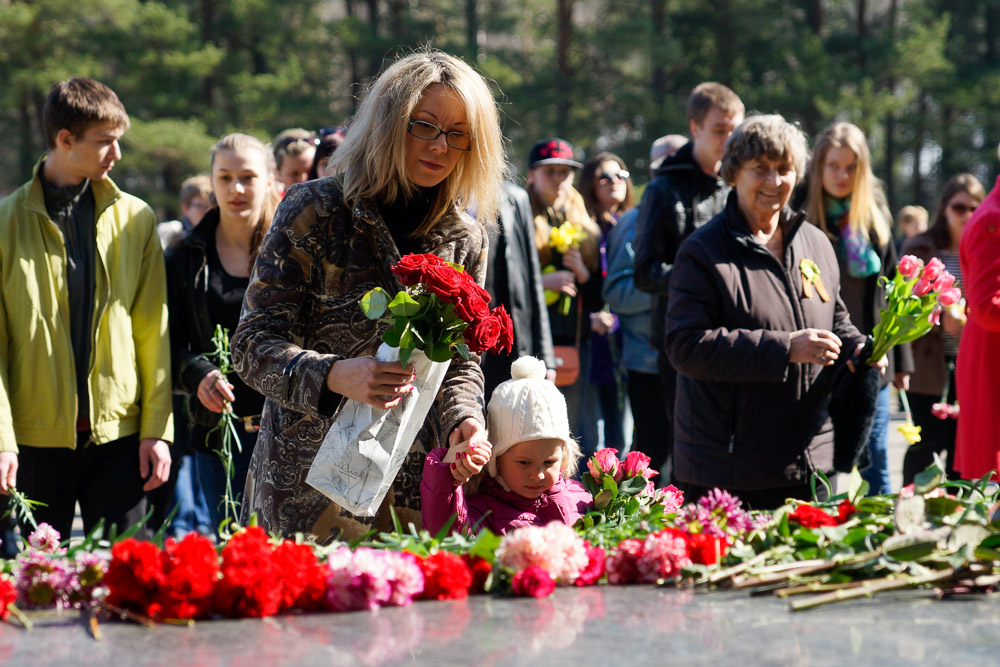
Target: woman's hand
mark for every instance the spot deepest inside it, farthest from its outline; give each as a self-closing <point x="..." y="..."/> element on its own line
<point x="214" y="391"/>
<point x="560" y="281"/>
<point x="470" y="429"/>
<point x="902" y="381"/>
<point x="380" y="384"/>
<point x="814" y="346"/>
<point x="573" y="261"/>
<point x="468" y="459"/>
<point x="601" y="322"/>
<point x="881" y="364"/>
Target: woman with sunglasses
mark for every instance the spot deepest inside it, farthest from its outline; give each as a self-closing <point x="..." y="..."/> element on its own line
<point x="846" y="201"/>
<point x="607" y="193"/>
<point x="425" y="141"/>
<point x="934" y="354"/>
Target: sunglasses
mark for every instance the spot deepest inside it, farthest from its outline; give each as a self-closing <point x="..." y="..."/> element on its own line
<point x="288" y="141"/>
<point x="430" y="132"/>
<point x="607" y="177"/>
<point x="962" y="209"/>
<point x="327" y="131"/>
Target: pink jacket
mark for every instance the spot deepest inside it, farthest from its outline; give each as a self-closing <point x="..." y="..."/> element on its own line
<point x="504" y="510"/>
<point x="977" y="373"/>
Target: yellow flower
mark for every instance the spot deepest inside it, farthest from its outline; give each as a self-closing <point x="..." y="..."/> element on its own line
<point x="910" y="432"/>
<point x="566" y="236"/>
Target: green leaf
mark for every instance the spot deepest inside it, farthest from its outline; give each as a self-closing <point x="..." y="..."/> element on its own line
<point x="463" y="350"/>
<point x="609" y="484"/>
<point x="406" y="341"/>
<point x="806" y="536"/>
<point x="857" y="487"/>
<point x="404" y="305"/>
<point x="392" y="336"/>
<point x="486" y="545"/>
<point x="603" y="499"/>
<point x="928" y="480"/>
<point x="909" y="547"/>
<point x="404" y="354"/>
<point x="942" y="507"/>
<point x="632" y="486"/>
<point x="373" y="303"/>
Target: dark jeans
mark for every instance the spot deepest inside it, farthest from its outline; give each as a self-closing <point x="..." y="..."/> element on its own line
<point x="582" y="426"/>
<point x="104" y="479"/>
<point x="936" y="435"/>
<point x="212" y="476"/>
<point x="652" y="433"/>
<point x="602" y="403"/>
<point x="757" y="499"/>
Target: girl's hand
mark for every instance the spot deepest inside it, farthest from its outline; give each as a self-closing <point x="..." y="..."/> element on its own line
<point x="380" y="384"/>
<point x="468" y="459"/>
<point x="560" y="281"/>
<point x="573" y="261"/>
<point x="214" y="391"/>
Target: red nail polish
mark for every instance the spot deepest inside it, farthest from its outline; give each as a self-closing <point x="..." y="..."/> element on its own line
<point x="452" y="466"/>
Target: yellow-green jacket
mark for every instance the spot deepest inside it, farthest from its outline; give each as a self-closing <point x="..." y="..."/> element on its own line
<point x="130" y="358"/>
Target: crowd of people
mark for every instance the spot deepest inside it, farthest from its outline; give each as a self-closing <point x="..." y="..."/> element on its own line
<point x="719" y="315"/>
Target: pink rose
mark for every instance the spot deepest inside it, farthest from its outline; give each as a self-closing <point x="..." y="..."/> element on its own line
<point x="595" y="567"/>
<point x="604" y="462"/>
<point x="922" y="288"/>
<point x="933" y="270"/>
<point x="910" y="266"/>
<point x="637" y="463"/>
<point x="533" y="582"/>
<point x="950" y="296"/>
<point x="944" y="281"/>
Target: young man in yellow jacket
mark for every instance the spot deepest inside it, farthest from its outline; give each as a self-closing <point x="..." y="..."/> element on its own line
<point x="85" y="409"/>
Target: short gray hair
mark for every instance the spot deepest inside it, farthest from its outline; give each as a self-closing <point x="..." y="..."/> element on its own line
<point x="765" y="136"/>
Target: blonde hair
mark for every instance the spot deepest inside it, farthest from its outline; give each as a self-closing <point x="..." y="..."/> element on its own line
<point x="242" y="143"/>
<point x="868" y="212"/>
<point x="371" y="163"/>
<point x="568" y="207"/>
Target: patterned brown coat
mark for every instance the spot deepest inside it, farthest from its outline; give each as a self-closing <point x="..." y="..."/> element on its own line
<point x="300" y="315"/>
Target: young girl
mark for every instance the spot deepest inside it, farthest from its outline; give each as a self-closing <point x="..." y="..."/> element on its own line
<point x="528" y="480"/>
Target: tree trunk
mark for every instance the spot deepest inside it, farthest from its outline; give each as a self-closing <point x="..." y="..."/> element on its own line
<point x="353" y="63"/>
<point x="472" y="30"/>
<point x="862" y="32"/>
<point x="396" y="8"/>
<point x="373" y="25"/>
<point x="814" y="13"/>
<point x="207" y="19"/>
<point x="564" y="75"/>
<point x="890" y="121"/>
<point x="918" y="148"/>
<point x="658" y="81"/>
<point x="27" y="157"/>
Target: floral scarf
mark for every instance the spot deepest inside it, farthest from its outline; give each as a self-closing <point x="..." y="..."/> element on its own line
<point x="857" y="252"/>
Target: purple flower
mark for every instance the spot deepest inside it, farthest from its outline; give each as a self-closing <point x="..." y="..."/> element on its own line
<point x="42" y="581"/>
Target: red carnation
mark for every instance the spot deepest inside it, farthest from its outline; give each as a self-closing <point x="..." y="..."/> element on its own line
<point x="594" y="569"/>
<point x="706" y="549"/>
<point x="191" y="570"/>
<point x="303" y="577"/>
<point x="446" y="577"/>
<point x="411" y="268"/>
<point x="480" y="569"/>
<point x="533" y="582"/>
<point x="484" y="334"/>
<point x="8" y="596"/>
<point x="808" y="516"/>
<point x="251" y="583"/>
<point x="134" y="576"/>
<point x="845" y="510"/>
<point x="444" y="281"/>
<point x="505" y="341"/>
<point x="622" y="565"/>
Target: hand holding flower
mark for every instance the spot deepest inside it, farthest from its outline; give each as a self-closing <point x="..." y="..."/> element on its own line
<point x="573" y="261"/>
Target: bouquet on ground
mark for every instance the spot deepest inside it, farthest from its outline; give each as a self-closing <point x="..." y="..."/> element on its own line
<point x="561" y="239"/>
<point x="442" y="311"/>
<point x="915" y="298"/>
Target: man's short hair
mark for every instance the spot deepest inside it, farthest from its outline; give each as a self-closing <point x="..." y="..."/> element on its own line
<point x="711" y="94"/>
<point x="914" y="214"/>
<point x="79" y="104"/>
<point x="293" y="141"/>
<point x="196" y="186"/>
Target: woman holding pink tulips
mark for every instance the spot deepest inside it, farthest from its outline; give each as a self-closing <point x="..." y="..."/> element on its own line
<point x="932" y="387"/>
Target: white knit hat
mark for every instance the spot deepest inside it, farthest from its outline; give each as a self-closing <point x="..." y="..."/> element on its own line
<point x="526" y="407"/>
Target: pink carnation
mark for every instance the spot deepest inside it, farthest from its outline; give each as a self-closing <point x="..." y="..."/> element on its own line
<point x="663" y="555"/>
<point x="369" y="578"/>
<point x="910" y="266"/>
<point x="556" y="548"/>
<point x="45" y="538"/>
<point x="671" y="498"/>
<point x="622" y="564"/>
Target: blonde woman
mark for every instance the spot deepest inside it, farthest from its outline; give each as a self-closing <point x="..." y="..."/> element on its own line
<point x="425" y="140"/>
<point x="207" y="277"/>
<point x="846" y="201"/>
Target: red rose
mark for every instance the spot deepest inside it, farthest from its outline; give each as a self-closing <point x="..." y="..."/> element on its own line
<point x="473" y="303"/>
<point x="706" y="549"/>
<point x="808" y="516"/>
<point x="134" y="576"/>
<point x="844" y="511"/>
<point x="505" y="341"/>
<point x="411" y="268"/>
<point x="594" y="569"/>
<point x="8" y="596"/>
<point x="444" y="281"/>
<point x="446" y="577"/>
<point x="480" y="569"/>
<point x="484" y="334"/>
<point x="533" y="582"/>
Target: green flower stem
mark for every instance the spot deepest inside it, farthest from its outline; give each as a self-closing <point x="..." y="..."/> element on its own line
<point x="227" y="425"/>
<point x="906" y="406"/>
<point x="871" y="587"/>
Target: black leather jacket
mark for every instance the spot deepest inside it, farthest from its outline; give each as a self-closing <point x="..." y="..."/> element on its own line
<point x="680" y="198"/>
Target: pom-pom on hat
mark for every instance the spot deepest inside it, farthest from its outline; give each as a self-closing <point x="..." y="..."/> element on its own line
<point x="526" y="407"/>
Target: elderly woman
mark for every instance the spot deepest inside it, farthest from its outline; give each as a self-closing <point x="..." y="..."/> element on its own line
<point x="425" y="139"/>
<point x="755" y="327"/>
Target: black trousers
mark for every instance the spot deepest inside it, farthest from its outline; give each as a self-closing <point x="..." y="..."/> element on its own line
<point x="757" y="499"/>
<point x="936" y="436"/>
<point x="104" y="479"/>
<point x="652" y="429"/>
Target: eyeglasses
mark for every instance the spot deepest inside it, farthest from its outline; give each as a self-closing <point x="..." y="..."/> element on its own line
<point x="608" y="177"/>
<point x="962" y="209"/>
<point x="429" y="132"/>
<point x="288" y="141"/>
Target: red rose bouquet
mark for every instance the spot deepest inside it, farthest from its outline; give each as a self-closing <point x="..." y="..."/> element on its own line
<point x="442" y="311"/>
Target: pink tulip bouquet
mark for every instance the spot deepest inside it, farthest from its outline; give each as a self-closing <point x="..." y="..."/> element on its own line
<point x="915" y="298"/>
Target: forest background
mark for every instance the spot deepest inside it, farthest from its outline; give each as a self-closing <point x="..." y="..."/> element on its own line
<point x="920" y="77"/>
